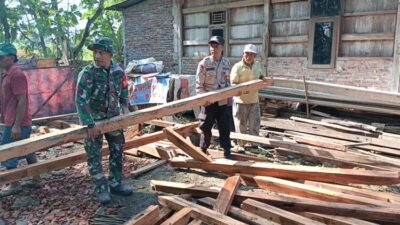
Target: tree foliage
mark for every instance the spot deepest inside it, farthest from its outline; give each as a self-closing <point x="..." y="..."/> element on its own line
<point x="59" y="28"/>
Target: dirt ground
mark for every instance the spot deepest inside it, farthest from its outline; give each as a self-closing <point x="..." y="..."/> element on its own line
<point x="66" y="196"/>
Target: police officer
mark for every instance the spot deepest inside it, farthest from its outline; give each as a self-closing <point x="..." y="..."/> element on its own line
<point x="102" y="91"/>
<point x="213" y="74"/>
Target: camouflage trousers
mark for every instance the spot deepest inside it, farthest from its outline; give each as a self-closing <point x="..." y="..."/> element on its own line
<point x="93" y="148"/>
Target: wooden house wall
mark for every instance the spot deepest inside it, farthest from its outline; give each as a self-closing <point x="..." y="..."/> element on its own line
<point x="289" y="29"/>
<point x="280" y="29"/>
<point x="368" y="28"/>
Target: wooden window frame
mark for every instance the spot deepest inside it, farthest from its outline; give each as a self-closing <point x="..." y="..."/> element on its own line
<point x="223" y="26"/>
<point x="335" y="41"/>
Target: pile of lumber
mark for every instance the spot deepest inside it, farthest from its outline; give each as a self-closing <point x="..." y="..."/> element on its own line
<point x="333" y="95"/>
<point x="292" y="194"/>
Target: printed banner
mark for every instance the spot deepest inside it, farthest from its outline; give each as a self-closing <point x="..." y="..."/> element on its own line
<point x="151" y="91"/>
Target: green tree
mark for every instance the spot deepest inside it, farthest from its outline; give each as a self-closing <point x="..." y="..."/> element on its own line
<point x="43" y="28"/>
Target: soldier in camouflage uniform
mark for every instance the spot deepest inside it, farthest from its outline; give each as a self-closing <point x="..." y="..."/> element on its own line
<point x="102" y="91"/>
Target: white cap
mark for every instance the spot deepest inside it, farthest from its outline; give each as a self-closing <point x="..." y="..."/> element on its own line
<point x="250" y="48"/>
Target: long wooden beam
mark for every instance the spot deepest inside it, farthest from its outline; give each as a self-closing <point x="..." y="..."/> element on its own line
<point x="308" y="191"/>
<point x="80" y="156"/>
<point x="276" y="214"/>
<point x="335" y="175"/>
<point x="375" y="213"/>
<point x="24" y="147"/>
<point x="186" y="146"/>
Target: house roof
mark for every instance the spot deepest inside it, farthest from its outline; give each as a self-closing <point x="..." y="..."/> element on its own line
<point x="123" y="5"/>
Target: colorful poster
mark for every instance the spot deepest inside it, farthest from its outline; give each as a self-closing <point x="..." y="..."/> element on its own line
<point x="151" y="91"/>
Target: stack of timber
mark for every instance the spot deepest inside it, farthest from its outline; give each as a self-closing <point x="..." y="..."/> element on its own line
<point x="333" y="95"/>
<point x="291" y="194"/>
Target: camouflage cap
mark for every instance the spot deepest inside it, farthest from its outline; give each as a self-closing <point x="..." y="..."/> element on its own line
<point x="7" y="49"/>
<point x="103" y="43"/>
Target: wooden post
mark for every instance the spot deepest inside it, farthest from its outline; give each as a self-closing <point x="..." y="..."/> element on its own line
<point x="177" y="31"/>
<point x="266" y="34"/>
<point x="395" y="78"/>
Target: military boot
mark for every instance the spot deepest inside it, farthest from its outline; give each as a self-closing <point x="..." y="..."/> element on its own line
<point x="121" y="189"/>
<point x="104" y="197"/>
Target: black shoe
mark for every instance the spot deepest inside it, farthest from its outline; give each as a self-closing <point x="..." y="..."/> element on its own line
<point x="104" y="197"/>
<point x="121" y="189"/>
<point x="227" y="154"/>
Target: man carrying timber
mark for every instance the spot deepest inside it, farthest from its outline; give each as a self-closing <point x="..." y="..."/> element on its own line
<point x="213" y="74"/>
<point x="246" y="107"/>
<point x="15" y="118"/>
<point x="101" y="93"/>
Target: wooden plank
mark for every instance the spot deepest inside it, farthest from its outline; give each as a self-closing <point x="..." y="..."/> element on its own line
<point x="343" y="176"/>
<point x="335" y="220"/>
<point x="226" y="195"/>
<point x="368" y="37"/>
<point x="79" y="157"/>
<point x="393" y="146"/>
<point x="375" y="213"/>
<point x="357" y="93"/>
<point x="355" y="154"/>
<point x="58" y="117"/>
<point x="238" y="213"/>
<point x="378" y="195"/>
<point x="164" y="214"/>
<point x="26" y="146"/>
<point x="236" y="156"/>
<point x="179" y="218"/>
<point x="330" y="103"/>
<point x="284" y="1"/>
<point x="315" y="156"/>
<point x="370" y="13"/>
<point x="160" y="123"/>
<point x="147" y="168"/>
<point x="351" y="124"/>
<point x="307" y="191"/>
<point x="146" y="217"/>
<point x="186" y="146"/>
<point x="319" y="143"/>
<point x="198" y="212"/>
<point x="276" y="214"/>
<point x="159" y="135"/>
<point x="289" y="39"/>
<point x="325" y="124"/>
<point x="227" y="5"/>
